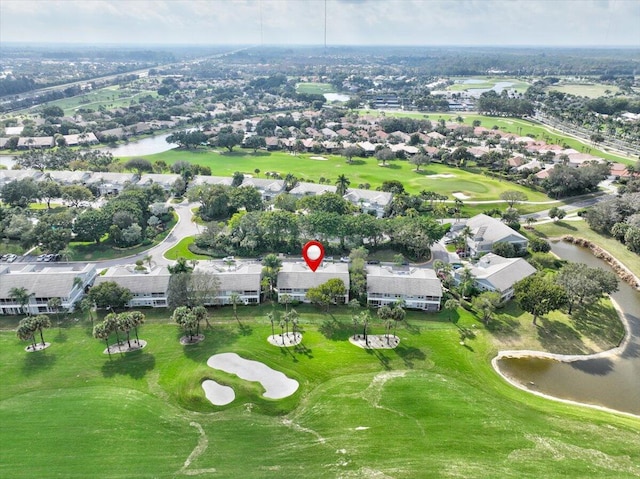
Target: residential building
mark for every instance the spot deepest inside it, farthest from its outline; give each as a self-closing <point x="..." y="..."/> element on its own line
<point x="369" y="200"/>
<point x="67" y="282"/>
<point x="166" y="181"/>
<point x="149" y="288"/>
<point x="487" y="230"/>
<point x="495" y="273"/>
<point x="268" y="188"/>
<point x="295" y="279"/>
<point x="419" y="288"/>
<point x="242" y="279"/>
<point x="111" y="183"/>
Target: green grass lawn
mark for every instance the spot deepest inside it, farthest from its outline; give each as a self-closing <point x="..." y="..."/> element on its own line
<point x="581" y="229"/>
<point x="109" y="97"/>
<point x="362" y="170"/>
<point x="490" y="82"/>
<point x="430" y="408"/>
<point x="315" y="88"/>
<point x="182" y="250"/>
<point x="590" y="90"/>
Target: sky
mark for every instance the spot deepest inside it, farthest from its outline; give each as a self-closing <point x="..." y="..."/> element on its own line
<point x="302" y="22"/>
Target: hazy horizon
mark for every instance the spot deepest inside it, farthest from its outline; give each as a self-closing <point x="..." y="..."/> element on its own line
<point x="437" y="23"/>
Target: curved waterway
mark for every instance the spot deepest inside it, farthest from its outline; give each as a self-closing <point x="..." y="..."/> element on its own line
<point x="608" y="380"/>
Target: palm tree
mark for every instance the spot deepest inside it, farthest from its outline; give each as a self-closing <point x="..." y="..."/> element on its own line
<point x="86" y="305"/>
<point x="365" y="318"/>
<point x="294" y="322"/>
<point x="451" y="305"/>
<point x="41" y="322"/>
<point x="136" y="318"/>
<point x="124" y="324"/>
<point x="234" y="299"/>
<point x="111" y="324"/>
<point x="398" y="314"/>
<point x="286" y="299"/>
<point x="21" y="296"/>
<point x="272" y="320"/>
<point x="25" y="331"/>
<point x="201" y="313"/>
<point x="100" y="331"/>
<point x="342" y="183"/>
<point x="282" y="330"/>
<point x="54" y="304"/>
<point x="66" y="254"/>
<point x="149" y="259"/>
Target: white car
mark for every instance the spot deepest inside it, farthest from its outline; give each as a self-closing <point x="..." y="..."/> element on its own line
<point x="11" y="258"/>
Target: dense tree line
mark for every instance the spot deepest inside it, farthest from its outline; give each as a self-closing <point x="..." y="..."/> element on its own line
<point x="619" y="217"/>
<point x="565" y="180"/>
<point x="490" y="103"/>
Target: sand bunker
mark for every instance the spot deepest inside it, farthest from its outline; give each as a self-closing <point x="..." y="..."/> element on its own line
<point x="276" y="384"/>
<point x="379" y="341"/>
<point x="218" y="394"/>
<point x="318" y="158"/>
<point x="460" y="196"/>
<point x="286" y="339"/>
<point x="441" y="175"/>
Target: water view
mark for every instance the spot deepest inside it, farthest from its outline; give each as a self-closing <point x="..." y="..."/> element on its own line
<point x="611" y="381"/>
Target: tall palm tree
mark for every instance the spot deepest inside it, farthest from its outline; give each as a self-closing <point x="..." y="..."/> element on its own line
<point x="26" y="332"/>
<point x="54" y="304"/>
<point x="365" y="318"/>
<point x="148" y="259"/>
<point x="41" y="322"/>
<point x="234" y="299"/>
<point x="21" y="296"/>
<point x="272" y="320"/>
<point x="102" y="332"/>
<point x="111" y="324"/>
<point x="342" y="183"/>
<point x="451" y="305"/>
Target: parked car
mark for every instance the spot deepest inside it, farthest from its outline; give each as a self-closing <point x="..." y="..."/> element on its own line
<point x="11" y="258"/>
<point x="345" y="259"/>
<point x="41" y="257"/>
<point x="373" y="261"/>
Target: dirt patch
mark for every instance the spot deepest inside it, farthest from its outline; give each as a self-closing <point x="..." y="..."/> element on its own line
<point x="123" y="347"/>
<point x="379" y="341"/>
<point x="38" y="347"/>
<point x="286" y="339"/>
<point x="189" y="340"/>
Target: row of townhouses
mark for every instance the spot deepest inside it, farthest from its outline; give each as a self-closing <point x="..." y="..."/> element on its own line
<point x="107" y="183"/>
<point x="418" y="287"/>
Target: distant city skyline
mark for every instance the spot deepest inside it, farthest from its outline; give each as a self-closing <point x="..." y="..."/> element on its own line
<point x="302" y="22"/>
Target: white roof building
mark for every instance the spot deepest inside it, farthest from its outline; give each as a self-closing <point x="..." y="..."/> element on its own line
<point x="419" y="288"/>
<point x="295" y="279"/>
<point x="44" y="282"/>
<point x="149" y="288"/>
<point x="495" y="273"/>
<point x="487" y="230"/>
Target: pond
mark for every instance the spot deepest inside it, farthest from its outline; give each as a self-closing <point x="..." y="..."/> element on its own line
<point x="610" y="380"/>
<point x="143" y="147"/>
<point x="331" y="97"/>
<point x="498" y="87"/>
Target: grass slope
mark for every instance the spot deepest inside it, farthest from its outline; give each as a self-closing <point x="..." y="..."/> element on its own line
<point x="430" y="408"/>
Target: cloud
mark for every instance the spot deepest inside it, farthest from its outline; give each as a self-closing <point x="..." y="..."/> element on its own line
<point x="369" y="22"/>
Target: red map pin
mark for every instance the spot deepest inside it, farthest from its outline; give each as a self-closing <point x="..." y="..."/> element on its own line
<point x="313" y="253"/>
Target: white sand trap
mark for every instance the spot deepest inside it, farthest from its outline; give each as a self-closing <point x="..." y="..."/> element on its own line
<point x="318" y="158"/>
<point x="276" y="384"/>
<point x="217" y="394"/>
<point x="440" y="175"/>
<point x="375" y="341"/>
<point x="460" y="196"/>
<point x="286" y="339"/>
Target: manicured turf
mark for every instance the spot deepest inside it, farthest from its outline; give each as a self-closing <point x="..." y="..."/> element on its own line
<point x="489" y="82"/>
<point x="430" y="408"/>
<point x="109" y="97"/>
<point x="362" y="170"/>
<point x="182" y="250"/>
<point x="315" y="88"/>
<point x="590" y="90"/>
